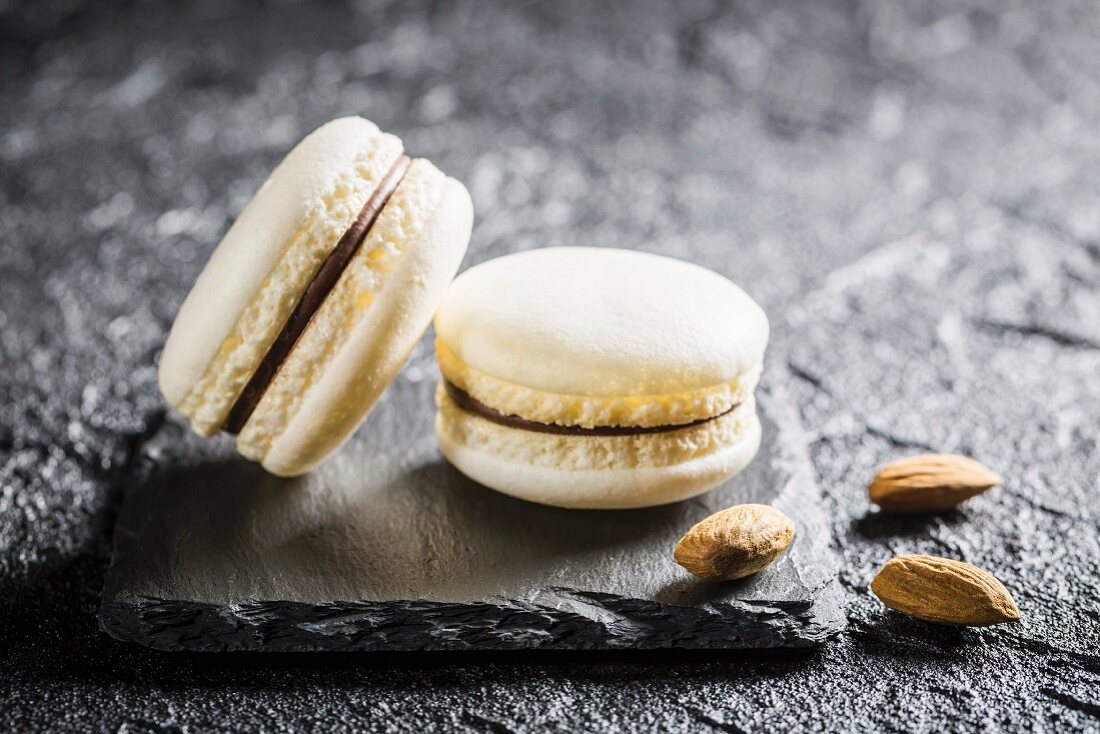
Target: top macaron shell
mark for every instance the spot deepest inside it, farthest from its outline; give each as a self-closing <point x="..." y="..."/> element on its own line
<point x="363" y="330"/>
<point x="601" y="322"/>
<point x="255" y="243"/>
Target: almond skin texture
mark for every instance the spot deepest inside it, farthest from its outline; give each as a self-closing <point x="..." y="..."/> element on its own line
<point x="929" y="483"/>
<point x="944" y="591"/>
<point x="735" y="542"/>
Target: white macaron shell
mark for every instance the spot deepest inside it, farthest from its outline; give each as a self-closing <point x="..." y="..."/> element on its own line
<point x="599" y="485"/>
<point x="596" y="321"/>
<point x="252" y="247"/>
<point x="379" y="344"/>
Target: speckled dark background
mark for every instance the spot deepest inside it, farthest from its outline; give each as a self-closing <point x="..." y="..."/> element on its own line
<point x="910" y="189"/>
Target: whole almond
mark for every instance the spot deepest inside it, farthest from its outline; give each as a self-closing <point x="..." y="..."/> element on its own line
<point x="735" y="542"/>
<point x="929" y="483"/>
<point x="944" y="591"/>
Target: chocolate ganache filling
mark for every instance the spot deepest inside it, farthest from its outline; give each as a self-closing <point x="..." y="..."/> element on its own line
<point x="313" y="296"/>
<point x="471" y="404"/>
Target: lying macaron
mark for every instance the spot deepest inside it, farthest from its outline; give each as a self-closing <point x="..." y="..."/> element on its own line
<point x="311" y="303"/>
<point x="598" y="378"/>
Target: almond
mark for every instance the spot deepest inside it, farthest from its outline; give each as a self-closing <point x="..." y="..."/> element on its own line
<point x="944" y="591"/>
<point x="929" y="483"/>
<point x="735" y="542"/>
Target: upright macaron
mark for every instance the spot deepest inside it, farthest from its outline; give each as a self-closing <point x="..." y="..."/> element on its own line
<point x="598" y="378"/>
<point x="314" y="298"/>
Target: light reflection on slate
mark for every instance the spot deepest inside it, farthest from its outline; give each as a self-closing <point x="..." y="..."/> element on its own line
<point x="388" y="547"/>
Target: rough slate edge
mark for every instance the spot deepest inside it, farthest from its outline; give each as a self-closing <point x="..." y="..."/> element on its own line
<point x="288" y="626"/>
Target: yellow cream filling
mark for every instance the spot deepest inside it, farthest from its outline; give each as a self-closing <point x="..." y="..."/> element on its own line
<point x="208" y="402"/>
<point x="582" y="453"/>
<point x="350" y="300"/>
<point x="590" y="411"/>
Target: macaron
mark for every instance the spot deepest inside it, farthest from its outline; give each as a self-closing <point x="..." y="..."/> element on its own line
<point x="314" y="298"/>
<point x="598" y="378"/>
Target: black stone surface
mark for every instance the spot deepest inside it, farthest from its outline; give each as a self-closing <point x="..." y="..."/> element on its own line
<point x="909" y="189"/>
<point x="387" y="547"/>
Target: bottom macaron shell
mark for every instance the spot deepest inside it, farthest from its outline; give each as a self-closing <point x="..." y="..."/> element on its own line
<point x="599" y="484"/>
<point x="375" y="348"/>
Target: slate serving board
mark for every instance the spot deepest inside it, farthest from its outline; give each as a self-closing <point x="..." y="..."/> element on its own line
<point x="387" y="547"/>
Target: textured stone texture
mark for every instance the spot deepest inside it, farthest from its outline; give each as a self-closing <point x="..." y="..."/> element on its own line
<point x="909" y="189"/>
<point x="387" y="547"/>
